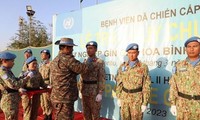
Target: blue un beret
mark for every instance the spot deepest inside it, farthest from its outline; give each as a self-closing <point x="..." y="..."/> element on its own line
<point x="28" y="50"/>
<point x="31" y="59"/>
<point x="45" y="51"/>
<point x="192" y="39"/>
<point x="7" y="55"/>
<point x="132" y="46"/>
<point x="92" y="43"/>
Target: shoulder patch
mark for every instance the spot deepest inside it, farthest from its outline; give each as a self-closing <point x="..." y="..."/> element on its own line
<point x="174" y="70"/>
<point x="4" y="77"/>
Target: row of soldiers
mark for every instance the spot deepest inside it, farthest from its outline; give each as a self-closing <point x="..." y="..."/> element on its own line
<point x="133" y="83"/>
<point x="60" y="75"/>
<point x="30" y="79"/>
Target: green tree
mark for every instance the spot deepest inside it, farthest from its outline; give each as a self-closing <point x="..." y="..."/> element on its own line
<point x="34" y="35"/>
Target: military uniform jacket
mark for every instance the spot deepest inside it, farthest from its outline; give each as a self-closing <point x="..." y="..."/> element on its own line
<point x="133" y="78"/>
<point x="24" y="67"/>
<point x="44" y="69"/>
<point x="35" y="82"/>
<point x="97" y="75"/>
<point x="63" y="71"/>
<point x="9" y="81"/>
<point x="186" y="80"/>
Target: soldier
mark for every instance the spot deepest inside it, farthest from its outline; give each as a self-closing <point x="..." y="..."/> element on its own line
<point x="31" y="104"/>
<point x="44" y="69"/>
<point x="27" y="53"/>
<point x="92" y="84"/>
<point x="63" y="71"/>
<point x="185" y="83"/>
<point x="133" y="82"/>
<point x="10" y="85"/>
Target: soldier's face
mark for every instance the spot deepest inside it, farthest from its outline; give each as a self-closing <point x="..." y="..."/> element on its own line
<point x="68" y="49"/>
<point x="193" y="49"/>
<point x="91" y="50"/>
<point x="27" y="55"/>
<point x="32" y="65"/>
<point x="8" y="63"/>
<point x="133" y="54"/>
<point x="44" y="56"/>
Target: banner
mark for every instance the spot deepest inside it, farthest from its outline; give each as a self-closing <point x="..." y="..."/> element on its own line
<point x="159" y="27"/>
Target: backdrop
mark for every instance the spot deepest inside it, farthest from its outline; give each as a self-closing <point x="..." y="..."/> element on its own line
<point x="160" y="27"/>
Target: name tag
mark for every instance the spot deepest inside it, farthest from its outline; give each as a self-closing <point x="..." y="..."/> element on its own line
<point x="182" y="69"/>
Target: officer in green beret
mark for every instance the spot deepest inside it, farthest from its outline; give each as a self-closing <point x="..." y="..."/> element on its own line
<point x="10" y="85"/>
<point x="185" y="83"/>
<point x="133" y="85"/>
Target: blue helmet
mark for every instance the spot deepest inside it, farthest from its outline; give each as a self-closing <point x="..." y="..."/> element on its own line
<point x="31" y="59"/>
<point x="192" y="39"/>
<point x="7" y="55"/>
<point x="132" y="46"/>
<point x="92" y="43"/>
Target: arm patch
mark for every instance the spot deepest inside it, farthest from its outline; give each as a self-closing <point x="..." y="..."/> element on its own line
<point x="4" y="77"/>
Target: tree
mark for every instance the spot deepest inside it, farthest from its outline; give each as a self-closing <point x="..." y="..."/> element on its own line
<point x="36" y="31"/>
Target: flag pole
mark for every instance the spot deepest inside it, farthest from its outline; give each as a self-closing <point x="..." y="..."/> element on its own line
<point x="80" y="3"/>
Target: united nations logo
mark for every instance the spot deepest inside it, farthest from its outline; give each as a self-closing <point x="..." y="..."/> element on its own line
<point x="68" y="23"/>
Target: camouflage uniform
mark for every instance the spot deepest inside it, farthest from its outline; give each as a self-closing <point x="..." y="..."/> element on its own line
<point x="63" y="71"/>
<point x="136" y="78"/>
<point x="90" y="85"/>
<point x="45" y="97"/>
<point x="31" y="105"/>
<point x="186" y="82"/>
<point x="24" y="67"/>
<point x="10" y="96"/>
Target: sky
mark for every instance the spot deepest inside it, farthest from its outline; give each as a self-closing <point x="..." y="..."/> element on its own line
<point x="10" y="11"/>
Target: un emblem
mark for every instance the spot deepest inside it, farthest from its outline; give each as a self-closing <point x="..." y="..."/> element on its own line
<point x="68" y="23"/>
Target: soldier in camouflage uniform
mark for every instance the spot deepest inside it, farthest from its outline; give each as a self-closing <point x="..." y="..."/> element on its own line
<point x="27" y="53"/>
<point x="44" y="69"/>
<point x="92" y="84"/>
<point x="63" y="71"/>
<point x="133" y="85"/>
<point x="10" y="85"/>
<point x="185" y="83"/>
<point x="31" y="104"/>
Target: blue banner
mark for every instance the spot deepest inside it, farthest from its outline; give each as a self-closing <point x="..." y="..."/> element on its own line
<point x="159" y="27"/>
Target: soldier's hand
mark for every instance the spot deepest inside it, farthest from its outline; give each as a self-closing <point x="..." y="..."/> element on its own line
<point x="119" y="102"/>
<point x="173" y="110"/>
<point x="143" y="108"/>
<point x="49" y="86"/>
<point x="2" y="88"/>
<point x="30" y="74"/>
<point x="98" y="97"/>
<point x="22" y="90"/>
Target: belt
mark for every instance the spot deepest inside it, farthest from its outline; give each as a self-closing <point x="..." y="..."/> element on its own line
<point x="46" y="79"/>
<point x="132" y="90"/>
<point x="89" y="82"/>
<point x="11" y="90"/>
<point x="189" y="97"/>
